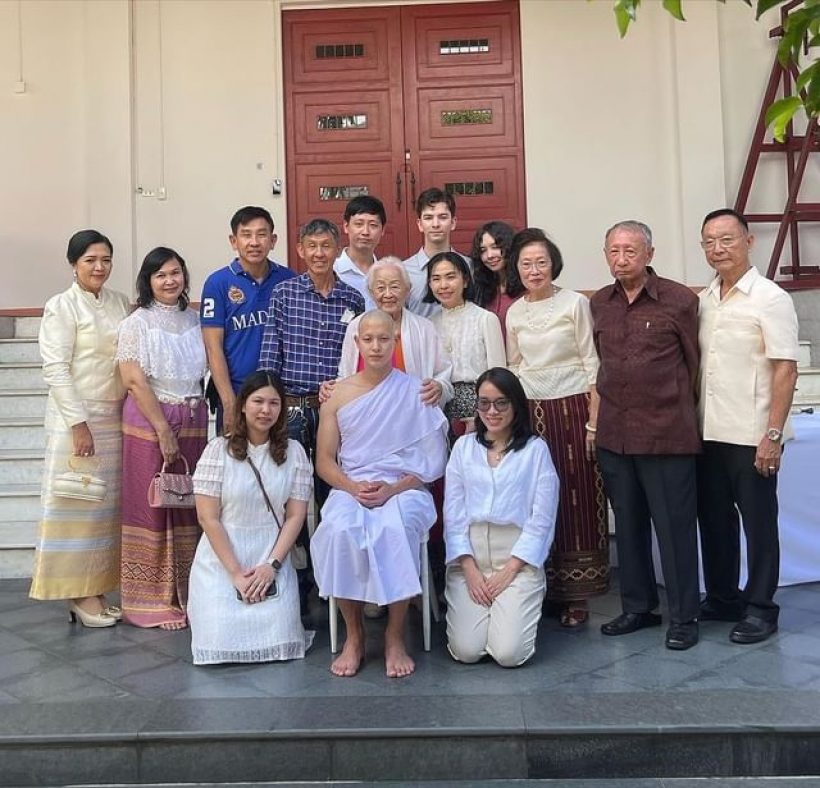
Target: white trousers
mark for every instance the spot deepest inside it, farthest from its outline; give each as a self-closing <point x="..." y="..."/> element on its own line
<point x="506" y="629"/>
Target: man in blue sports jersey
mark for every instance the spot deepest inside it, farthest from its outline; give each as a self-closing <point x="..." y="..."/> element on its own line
<point x="234" y="308"/>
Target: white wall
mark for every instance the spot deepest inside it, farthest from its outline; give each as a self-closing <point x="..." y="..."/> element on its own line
<point x="184" y="94"/>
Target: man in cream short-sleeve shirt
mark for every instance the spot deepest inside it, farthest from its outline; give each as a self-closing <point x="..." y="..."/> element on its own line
<point x="748" y="343"/>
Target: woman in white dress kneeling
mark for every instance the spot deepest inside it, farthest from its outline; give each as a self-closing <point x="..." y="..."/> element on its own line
<point x="501" y="498"/>
<point x="252" y="489"/>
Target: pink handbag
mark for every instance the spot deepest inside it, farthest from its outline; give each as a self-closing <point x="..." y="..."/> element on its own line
<point x="171" y="490"/>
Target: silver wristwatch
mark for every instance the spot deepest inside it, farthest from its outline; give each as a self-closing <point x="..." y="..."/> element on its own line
<point x="774" y="435"/>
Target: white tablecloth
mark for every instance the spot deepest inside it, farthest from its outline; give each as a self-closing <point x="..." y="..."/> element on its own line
<point x="798" y="493"/>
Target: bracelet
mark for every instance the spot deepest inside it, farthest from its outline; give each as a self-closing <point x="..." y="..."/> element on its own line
<point x="589" y="428"/>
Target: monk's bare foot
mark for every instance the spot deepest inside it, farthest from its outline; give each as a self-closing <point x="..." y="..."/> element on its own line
<point x="349" y="661"/>
<point x="173" y="626"/>
<point x="397" y="661"/>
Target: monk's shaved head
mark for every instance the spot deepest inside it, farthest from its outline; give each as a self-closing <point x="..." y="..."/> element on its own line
<point x="376" y="317"/>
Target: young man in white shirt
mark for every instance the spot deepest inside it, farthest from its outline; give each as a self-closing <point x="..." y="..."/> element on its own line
<point x="364" y="222"/>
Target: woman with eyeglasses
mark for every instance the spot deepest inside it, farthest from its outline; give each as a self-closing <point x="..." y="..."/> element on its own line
<point x="550" y="348"/>
<point x="501" y="497"/>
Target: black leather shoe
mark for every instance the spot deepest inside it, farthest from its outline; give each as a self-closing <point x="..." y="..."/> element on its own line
<point x="680" y="637"/>
<point x="630" y="622"/>
<point x="752" y="630"/>
<point x="709" y="611"/>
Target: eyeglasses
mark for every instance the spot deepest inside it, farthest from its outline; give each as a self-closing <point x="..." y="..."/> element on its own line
<point x="541" y="265"/>
<point x="726" y="241"/>
<point x="502" y="405"/>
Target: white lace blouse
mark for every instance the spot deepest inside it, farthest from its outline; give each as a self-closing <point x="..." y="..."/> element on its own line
<point x="167" y="344"/>
<point x="472" y="337"/>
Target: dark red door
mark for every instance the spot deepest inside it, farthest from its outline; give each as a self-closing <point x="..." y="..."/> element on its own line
<point x="390" y="101"/>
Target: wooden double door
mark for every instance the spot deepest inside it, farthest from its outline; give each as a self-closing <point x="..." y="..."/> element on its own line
<point x="389" y="101"/>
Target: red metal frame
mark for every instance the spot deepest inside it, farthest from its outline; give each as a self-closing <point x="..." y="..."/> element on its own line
<point x="801" y="276"/>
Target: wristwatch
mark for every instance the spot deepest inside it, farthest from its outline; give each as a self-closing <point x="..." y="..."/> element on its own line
<point x="774" y="435"/>
<point x="276" y="564"/>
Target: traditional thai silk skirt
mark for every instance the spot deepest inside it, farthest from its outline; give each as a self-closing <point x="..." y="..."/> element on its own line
<point x="461" y="406"/>
<point x="78" y="547"/>
<point x="578" y="566"/>
<point x="158" y="545"/>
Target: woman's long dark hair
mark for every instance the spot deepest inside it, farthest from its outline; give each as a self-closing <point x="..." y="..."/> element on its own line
<point x="510" y="386"/>
<point x="278" y="434"/>
<point x="461" y="265"/>
<point x="486" y="281"/>
<point x="153" y="261"/>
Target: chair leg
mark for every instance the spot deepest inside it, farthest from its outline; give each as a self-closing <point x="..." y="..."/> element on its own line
<point x="333" y="620"/>
<point x="434" y="606"/>
<point x="425" y="597"/>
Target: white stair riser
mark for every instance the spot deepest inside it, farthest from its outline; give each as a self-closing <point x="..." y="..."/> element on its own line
<point x="18" y="534"/>
<point x="19" y="508"/>
<point x="21" y="378"/>
<point x="27" y="405"/>
<point x="28" y="471"/>
<point x="16" y="563"/>
<point x="19" y="350"/>
<point x="22" y="437"/>
<point x="804" y="354"/>
<point x="27" y="327"/>
<point x="808" y="387"/>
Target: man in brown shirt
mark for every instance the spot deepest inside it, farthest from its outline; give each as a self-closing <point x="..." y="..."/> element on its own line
<point x="646" y="334"/>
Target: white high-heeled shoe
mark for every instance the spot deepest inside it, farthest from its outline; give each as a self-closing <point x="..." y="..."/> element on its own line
<point x="91" y="620"/>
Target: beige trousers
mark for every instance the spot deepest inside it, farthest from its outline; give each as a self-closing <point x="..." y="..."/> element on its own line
<point x="506" y="630"/>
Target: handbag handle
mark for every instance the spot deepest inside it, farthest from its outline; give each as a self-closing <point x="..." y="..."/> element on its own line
<point x="184" y="462"/>
<point x="93" y="461"/>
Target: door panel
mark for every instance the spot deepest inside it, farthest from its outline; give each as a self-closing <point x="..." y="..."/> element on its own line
<point x="398" y="99"/>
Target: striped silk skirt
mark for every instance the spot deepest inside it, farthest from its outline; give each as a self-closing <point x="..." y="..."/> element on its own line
<point x="578" y="566"/>
<point x="158" y="545"/>
<point x="78" y="546"/>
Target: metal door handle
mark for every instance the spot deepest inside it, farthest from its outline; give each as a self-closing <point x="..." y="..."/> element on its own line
<point x="413" y="187"/>
<point x="398" y="189"/>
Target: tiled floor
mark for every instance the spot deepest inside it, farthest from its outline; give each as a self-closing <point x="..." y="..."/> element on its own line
<point x="43" y="658"/>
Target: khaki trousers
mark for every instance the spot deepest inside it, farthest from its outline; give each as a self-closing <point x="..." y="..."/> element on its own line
<point x="506" y="630"/>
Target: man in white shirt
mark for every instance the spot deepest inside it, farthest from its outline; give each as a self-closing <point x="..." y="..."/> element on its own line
<point x="748" y="341"/>
<point x="364" y="221"/>
<point x="436" y="212"/>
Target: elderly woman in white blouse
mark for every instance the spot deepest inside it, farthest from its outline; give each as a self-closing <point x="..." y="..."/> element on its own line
<point x="419" y="350"/>
<point x="471" y="335"/>
<point x="499" y="520"/>
<point x="162" y="362"/>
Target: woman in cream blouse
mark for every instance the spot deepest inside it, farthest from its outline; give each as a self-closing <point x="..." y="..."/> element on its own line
<point x="471" y="335"/>
<point x="550" y="348"/>
<point x="78" y="547"/>
<point x="499" y="520"/>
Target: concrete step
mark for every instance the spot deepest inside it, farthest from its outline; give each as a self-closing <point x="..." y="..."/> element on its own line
<point x="27" y="327"/>
<point x="21" y="375"/>
<point x="22" y="433"/>
<point x="19" y="503"/>
<point x="19" y="349"/>
<point x="23" y="402"/>
<point x="17" y="540"/>
<point x="21" y="466"/>
<point x="804" y="353"/>
<point x="808" y="387"/>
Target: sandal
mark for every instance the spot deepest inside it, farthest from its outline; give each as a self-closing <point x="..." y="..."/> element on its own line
<point x="572" y="617"/>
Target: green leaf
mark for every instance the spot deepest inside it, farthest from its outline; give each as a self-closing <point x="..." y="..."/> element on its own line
<point x="813" y="93"/>
<point x="622" y="18"/>
<point x="780" y="113"/>
<point x="807" y="75"/>
<point x="765" y="5"/>
<point x="674" y="8"/>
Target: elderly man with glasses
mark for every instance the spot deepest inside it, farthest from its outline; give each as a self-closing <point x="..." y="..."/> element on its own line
<point x="748" y="342"/>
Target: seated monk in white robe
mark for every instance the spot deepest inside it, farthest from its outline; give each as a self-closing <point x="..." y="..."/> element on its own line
<point x="377" y="446"/>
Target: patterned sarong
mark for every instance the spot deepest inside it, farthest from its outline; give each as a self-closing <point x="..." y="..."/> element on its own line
<point x="158" y="545"/>
<point x="579" y="562"/>
<point x="78" y="547"/>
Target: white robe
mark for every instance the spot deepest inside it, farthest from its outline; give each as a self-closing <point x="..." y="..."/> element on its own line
<point x="372" y="555"/>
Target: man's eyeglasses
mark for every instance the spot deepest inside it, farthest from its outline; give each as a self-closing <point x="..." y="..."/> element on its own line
<point x="726" y="241"/>
<point x="502" y="405"/>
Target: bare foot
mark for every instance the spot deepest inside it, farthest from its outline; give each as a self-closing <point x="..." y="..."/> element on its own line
<point x="349" y="661"/>
<point x="397" y="661"/>
<point x="174" y="626"/>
